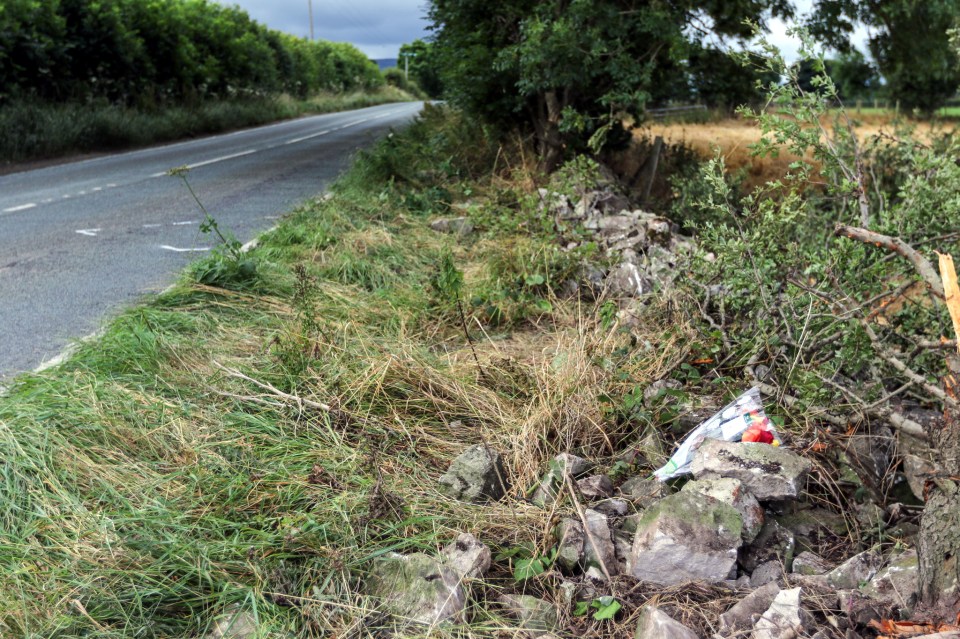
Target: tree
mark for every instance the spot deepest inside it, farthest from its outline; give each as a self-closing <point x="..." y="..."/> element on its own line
<point x="720" y="80"/>
<point x="855" y="78"/>
<point x="420" y="57"/>
<point x="910" y="43"/>
<point x="569" y="69"/>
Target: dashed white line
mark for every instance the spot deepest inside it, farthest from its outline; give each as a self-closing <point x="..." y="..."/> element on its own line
<point x="97" y="188"/>
<point x="22" y="207"/>
<point x="184" y="250"/>
<point x="212" y="161"/>
<point x="307" y="137"/>
<point x="152" y="226"/>
<point x="89" y="232"/>
<point x="187" y="222"/>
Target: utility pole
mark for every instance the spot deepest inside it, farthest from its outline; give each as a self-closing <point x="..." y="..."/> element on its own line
<point x="310" y="9"/>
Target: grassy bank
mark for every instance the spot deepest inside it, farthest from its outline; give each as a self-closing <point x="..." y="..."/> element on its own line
<point x="35" y="131"/>
<point x="253" y="442"/>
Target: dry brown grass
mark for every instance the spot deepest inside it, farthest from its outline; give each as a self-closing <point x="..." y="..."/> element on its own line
<point x="733" y="138"/>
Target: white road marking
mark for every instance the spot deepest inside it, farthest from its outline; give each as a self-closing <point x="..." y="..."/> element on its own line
<point x="184" y="250"/>
<point x="82" y="193"/>
<point x="152" y="226"/>
<point x="22" y="207"/>
<point x="307" y="137"/>
<point x="97" y="188"/>
<point x="213" y="161"/>
<point x="66" y="197"/>
<point x="111" y="186"/>
<point x="47" y="201"/>
<point x="183" y="223"/>
<point x="89" y="232"/>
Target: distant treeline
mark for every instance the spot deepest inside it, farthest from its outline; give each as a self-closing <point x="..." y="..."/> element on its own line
<point x="154" y="52"/>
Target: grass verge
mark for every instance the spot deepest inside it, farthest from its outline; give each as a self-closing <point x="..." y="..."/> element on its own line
<point x="35" y="131"/>
<point x="252" y="443"/>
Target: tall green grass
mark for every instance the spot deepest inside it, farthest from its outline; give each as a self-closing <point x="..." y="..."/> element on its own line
<point x="36" y="130"/>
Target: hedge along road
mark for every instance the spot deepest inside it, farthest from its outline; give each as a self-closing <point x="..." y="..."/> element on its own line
<point x="80" y="240"/>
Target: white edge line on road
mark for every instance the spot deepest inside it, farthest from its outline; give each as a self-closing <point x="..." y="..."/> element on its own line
<point x="88" y="232"/>
<point x="184" y="250"/>
<point x="185" y="223"/>
<point x="22" y="207"/>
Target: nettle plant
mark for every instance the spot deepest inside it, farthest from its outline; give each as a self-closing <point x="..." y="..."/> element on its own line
<point x="822" y="285"/>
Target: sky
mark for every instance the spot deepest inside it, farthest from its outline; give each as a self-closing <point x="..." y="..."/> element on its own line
<point x="376" y="27"/>
<point x="379" y="27"/>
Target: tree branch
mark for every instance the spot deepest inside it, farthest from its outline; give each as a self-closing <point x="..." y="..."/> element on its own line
<point x="922" y="265"/>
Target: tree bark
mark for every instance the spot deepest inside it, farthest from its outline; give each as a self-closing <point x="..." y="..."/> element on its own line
<point x="550" y="137"/>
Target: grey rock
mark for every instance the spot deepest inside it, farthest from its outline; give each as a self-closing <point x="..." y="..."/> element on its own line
<point x="697" y="411"/>
<point x="454" y="225"/>
<point x="658" y="230"/>
<point x="731" y="491"/>
<point x="477" y="475"/>
<point x="686" y="536"/>
<point x="782" y="620"/>
<point x="573" y="465"/>
<point x="897" y="584"/>
<point x="872" y="518"/>
<point x="744" y="615"/>
<point x="612" y="507"/>
<point x="643" y="491"/>
<point x="599" y="552"/>
<point x="622" y="543"/>
<point x="613" y="223"/>
<point x="861" y="609"/>
<point x="656" y="624"/>
<point x="595" y="487"/>
<point x="468" y="557"/>
<point x="811" y="525"/>
<point x="808" y="563"/>
<point x="569" y="535"/>
<point x="551" y="484"/>
<point x="234" y="624"/>
<point x="765" y="573"/>
<point x="627" y="280"/>
<point x="532" y="614"/>
<point x="855" y="571"/>
<point x="769" y="472"/>
<point x="870" y="452"/>
<point x="416" y="589"/>
<point x="774" y="543"/>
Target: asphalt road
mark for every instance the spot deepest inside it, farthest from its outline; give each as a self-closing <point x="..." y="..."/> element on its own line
<point x="81" y="240"/>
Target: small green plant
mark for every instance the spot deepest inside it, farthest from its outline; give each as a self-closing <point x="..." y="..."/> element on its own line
<point x="228" y="265"/>
<point x="605" y="607"/>
<point x="525" y="561"/>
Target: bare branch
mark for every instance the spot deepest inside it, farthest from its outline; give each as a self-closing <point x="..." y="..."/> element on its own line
<point x="922" y="265"/>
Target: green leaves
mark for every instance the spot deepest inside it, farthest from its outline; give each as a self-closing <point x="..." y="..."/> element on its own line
<point x="605" y="608"/>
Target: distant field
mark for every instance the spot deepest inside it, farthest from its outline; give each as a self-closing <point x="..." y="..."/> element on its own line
<point x="733" y="138"/>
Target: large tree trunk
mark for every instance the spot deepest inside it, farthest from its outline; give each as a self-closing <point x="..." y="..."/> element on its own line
<point x="939" y="539"/>
<point x="548" y="130"/>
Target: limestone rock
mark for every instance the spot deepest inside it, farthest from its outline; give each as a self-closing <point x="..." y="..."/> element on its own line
<point x="854" y="571"/>
<point x="599" y="551"/>
<point x="686" y="536"/>
<point x="897" y="584"/>
<point x="731" y="491"/>
<point x="782" y="619"/>
<point x="627" y="280"/>
<point x="477" y="475"/>
<point x="643" y="491"/>
<point x="769" y="472"/>
<point x="744" y="615"/>
<point x="454" y="225"/>
<point x="808" y="563"/>
<point x="774" y="543"/>
<point x="766" y="573"/>
<point x="551" y="484"/>
<point x="468" y="557"/>
<point x="656" y="624"/>
<point x="533" y="614"/>
<point x="612" y="507"/>
<point x="416" y="589"/>
<point x="861" y="609"/>
<point x="569" y="535"/>
<point x="595" y="487"/>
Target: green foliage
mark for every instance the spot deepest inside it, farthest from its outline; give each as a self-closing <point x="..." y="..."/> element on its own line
<point x="908" y="39"/>
<point x="605" y="608"/>
<point x="567" y="71"/>
<point x="150" y="53"/>
<point x="525" y="562"/>
<point x="421" y="59"/>
<point x="823" y="312"/>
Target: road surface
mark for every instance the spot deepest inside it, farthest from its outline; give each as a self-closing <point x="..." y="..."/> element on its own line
<point x="81" y="240"/>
